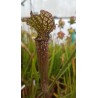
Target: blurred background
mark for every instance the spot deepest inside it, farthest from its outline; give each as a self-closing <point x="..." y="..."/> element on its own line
<point x="60" y="8"/>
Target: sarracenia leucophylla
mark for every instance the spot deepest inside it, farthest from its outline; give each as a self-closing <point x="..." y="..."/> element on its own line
<point x="44" y="25"/>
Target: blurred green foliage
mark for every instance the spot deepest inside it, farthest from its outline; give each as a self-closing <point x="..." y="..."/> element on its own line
<point x="62" y="69"/>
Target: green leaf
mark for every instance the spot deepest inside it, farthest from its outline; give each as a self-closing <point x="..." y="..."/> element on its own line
<point x="62" y="70"/>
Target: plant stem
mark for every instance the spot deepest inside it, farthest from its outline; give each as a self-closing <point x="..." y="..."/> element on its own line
<point x="42" y="54"/>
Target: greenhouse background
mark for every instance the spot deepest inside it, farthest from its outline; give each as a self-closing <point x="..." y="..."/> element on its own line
<point x="60" y="8"/>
